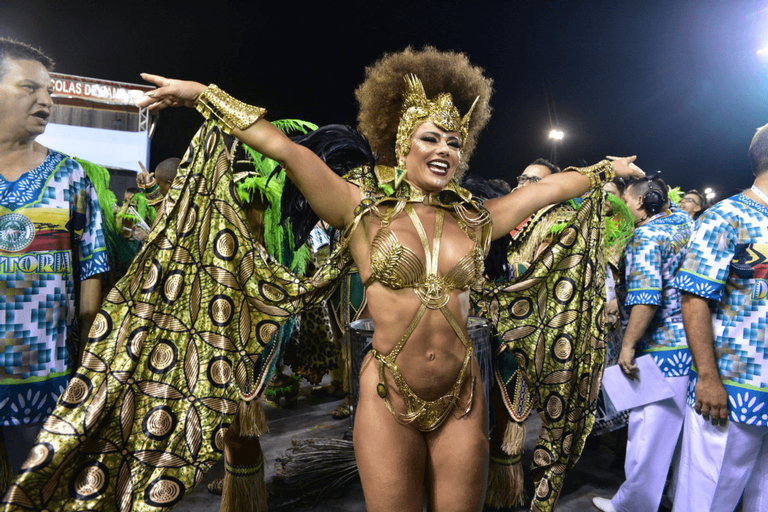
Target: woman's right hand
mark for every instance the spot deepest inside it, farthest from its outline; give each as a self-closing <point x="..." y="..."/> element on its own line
<point x="170" y="93"/>
<point x="625" y="168"/>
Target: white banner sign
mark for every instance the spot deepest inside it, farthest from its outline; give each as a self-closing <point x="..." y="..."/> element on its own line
<point x="99" y="91"/>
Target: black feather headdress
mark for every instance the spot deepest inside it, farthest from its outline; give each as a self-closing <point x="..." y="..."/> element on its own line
<point x="342" y="148"/>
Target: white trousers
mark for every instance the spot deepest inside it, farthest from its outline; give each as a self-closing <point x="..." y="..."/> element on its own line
<point x="718" y="463"/>
<point x="654" y="430"/>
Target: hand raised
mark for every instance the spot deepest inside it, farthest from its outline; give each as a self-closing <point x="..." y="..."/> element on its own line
<point x="170" y="93"/>
<point x="624" y="167"/>
<point x="144" y="178"/>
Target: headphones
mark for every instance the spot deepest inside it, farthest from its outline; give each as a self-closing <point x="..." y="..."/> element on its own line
<point x="655" y="198"/>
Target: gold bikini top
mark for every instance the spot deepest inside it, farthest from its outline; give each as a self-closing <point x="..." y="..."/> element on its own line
<point x="397" y="266"/>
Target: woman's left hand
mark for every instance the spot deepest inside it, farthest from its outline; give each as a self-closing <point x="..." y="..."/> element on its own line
<point x="624" y="167"/>
<point x="170" y="93"/>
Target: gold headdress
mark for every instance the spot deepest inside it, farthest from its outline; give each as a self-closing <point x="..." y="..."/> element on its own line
<point x="417" y="108"/>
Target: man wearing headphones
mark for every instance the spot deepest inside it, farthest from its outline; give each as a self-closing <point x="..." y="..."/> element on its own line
<point x="655" y="327"/>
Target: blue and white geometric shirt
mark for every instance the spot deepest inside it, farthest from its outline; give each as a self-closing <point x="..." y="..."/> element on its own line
<point x="653" y="256"/>
<point x="727" y="263"/>
<point x="50" y="238"/>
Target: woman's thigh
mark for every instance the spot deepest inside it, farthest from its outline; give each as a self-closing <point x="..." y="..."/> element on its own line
<point x="457" y="458"/>
<point x="391" y="457"/>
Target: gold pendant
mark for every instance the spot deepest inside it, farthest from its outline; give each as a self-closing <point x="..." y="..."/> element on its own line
<point x="381" y="389"/>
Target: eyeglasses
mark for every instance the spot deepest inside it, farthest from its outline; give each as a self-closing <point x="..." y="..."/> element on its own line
<point x="522" y="180"/>
<point x="689" y="200"/>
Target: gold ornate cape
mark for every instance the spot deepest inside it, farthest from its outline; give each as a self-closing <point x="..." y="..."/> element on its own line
<point x="178" y="342"/>
<point x="190" y="331"/>
<point x="550" y="320"/>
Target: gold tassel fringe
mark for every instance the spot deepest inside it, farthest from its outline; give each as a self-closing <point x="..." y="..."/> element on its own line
<point x="506" y="482"/>
<point x="244" y="489"/>
<point x="251" y="419"/>
<point x="514" y="437"/>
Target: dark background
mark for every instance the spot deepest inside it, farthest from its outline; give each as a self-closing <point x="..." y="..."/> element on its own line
<point x="681" y="84"/>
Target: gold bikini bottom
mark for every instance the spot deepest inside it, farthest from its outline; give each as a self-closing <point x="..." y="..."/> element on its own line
<point x="426" y="415"/>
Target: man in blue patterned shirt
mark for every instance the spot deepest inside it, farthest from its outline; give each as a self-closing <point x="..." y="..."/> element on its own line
<point x="725" y="308"/>
<point x="655" y="327"/>
<point x="51" y="251"/>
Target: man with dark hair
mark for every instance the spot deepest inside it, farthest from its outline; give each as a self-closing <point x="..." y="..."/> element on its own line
<point x="156" y="185"/>
<point x="165" y="172"/>
<point x="536" y="170"/>
<point x="10" y="49"/>
<point x="51" y="251"/>
<point x="694" y="203"/>
<point x="655" y="327"/>
<point x="615" y="187"/>
<point x="724" y="280"/>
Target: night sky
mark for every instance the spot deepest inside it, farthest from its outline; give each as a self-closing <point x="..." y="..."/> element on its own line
<point x="681" y="84"/>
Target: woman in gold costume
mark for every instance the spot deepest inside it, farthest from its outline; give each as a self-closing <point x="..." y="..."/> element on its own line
<point x="420" y="420"/>
<point x="191" y="330"/>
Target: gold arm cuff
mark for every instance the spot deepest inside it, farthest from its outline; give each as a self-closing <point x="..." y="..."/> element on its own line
<point x="598" y="174"/>
<point x="231" y="112"/>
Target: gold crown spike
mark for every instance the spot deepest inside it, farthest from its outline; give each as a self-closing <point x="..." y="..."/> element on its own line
<point x="417" y="108"/>
<point x="465" y="122"/>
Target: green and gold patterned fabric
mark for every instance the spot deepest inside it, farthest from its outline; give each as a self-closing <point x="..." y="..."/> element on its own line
<point x="550" y="320"/>
<point x="178" y="342"/>
<point x="191" y="330"/>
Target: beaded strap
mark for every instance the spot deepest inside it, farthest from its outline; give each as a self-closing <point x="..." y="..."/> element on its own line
<point x="244" y="471"/>
<point x="506" y="460"/>
<point x="598" y="174"/>
<point x="231" y="112"/>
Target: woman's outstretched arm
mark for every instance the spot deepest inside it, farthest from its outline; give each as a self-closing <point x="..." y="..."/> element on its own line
<point x="510" y="210"/>
<point x="332" y="198"/>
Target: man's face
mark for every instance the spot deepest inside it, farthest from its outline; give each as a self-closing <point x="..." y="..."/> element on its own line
<point x="127" y="197"/>
<point x="532" y="174"/>
<point x="690" y="203"/>
<point x="634" y="202"/>
<point x="25" y="99"/>
<point x="611" y="188"/>
<point x="163" y="185"/>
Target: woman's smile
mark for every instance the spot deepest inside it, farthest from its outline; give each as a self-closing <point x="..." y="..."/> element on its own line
<point x="433" y="158"/>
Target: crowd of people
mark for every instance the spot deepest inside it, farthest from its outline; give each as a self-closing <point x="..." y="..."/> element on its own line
<point x="121" y="398"/>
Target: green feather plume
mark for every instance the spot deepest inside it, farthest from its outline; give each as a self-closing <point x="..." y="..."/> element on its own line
<point x="277" y="238"/>
<point x="675" y="195"/>
<point x="294" y="125"/>
<point x="118" y="247"/>
<point x="618" y="229"/>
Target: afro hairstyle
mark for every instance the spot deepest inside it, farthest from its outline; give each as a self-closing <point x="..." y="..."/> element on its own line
<point x="381" y="95"/>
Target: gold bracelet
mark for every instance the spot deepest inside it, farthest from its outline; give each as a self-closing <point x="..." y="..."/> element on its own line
<point x="598" y="174"/>
<point x="230" y="111"/>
